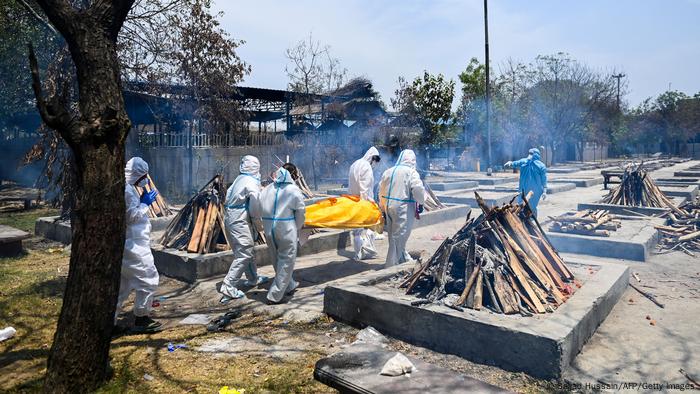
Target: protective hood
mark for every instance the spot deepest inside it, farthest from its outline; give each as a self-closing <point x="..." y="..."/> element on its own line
<point x="407" y="158"/>
<point x="250" y="165"/>
<point x="535" y="153"/>
<point x="283" y="176"/>
<point x="370" y="153"/>
<point x="135" y="168"/>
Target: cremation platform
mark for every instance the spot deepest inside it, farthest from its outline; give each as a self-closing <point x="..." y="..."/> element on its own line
<point x="55" y="229"/>
<point x="579" y="182"/>
<point x="634" y="240"/>
<point x="629" y="210"/>
<point x="542" y="345"/>
<point x="491" y="198"/>
<point x="11" y="240"/>
<point x="457" y="185"/>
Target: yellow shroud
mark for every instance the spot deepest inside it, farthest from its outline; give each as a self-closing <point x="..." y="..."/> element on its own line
<point x="344" y="212"/>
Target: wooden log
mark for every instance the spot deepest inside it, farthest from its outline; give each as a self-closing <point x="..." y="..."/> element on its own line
<point x="478" y="291"/>
<point x="467" y="287"/>
<point x="521" y="278"/>
<point x="492" y="294"/>
<point x="689" y="237"/>
<point x="193" y="245"/>
<point x="504" y="293"/>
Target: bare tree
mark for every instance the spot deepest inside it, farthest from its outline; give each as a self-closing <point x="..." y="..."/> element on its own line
<point x="78" y="361"/>
<point x="312" y="69"/>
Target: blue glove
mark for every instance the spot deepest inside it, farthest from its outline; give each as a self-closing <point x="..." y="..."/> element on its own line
<point x="420" y="208"/>
<point x="149" y="197"/>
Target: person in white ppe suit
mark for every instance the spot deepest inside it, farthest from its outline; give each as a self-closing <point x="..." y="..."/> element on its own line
<point x="239" y="229"/>
<point x="401" y="195"/>
<point x="138" y="272"/>
<point x="281" y="207"/>
<point x="361" y="183"/>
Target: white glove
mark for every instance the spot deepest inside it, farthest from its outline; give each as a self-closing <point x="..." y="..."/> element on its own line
<point x="508" y="164"/>
<point x="544" y="195"/>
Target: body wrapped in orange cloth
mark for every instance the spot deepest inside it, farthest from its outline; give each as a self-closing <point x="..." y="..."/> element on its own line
<point x="345" y="212"/>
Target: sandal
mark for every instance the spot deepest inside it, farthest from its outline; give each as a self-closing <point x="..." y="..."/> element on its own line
<point x="221" y="322"/>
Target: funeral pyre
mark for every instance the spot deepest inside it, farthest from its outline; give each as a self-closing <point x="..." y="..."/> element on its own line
<point x="682" y="229"/>
<point x="638" y="189"/>
<point x="596" y="223"/>
<point x="432" y="202"/>
<point x="501" y="260"/>
<point x="198" y="227"/>
<point x="299" y="179"/>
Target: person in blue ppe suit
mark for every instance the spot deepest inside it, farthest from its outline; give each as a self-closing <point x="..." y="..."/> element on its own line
<point x="401" y="195"/>
<point x="239" y="230"/>
<point x="282" y="209"/>
<point x="139" y="273"/>
<point x="533" y="177"/>
<point x="361" y="183"/>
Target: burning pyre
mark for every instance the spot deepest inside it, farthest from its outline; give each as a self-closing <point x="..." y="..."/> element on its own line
<point x="501" y="260"/>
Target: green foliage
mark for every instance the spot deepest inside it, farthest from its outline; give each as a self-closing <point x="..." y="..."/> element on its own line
<point x="427" y="103"/>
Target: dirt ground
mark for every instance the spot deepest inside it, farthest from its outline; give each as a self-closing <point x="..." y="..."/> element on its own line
<point x="269" y="349"/>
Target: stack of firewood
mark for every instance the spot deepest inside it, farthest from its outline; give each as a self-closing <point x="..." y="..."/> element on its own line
<point x="198" y="227"/>
<point x="159" y="208"/>
<point x="682" y="230"/>
<point x="638" y="189"/>
<point x="432" y="202"/>
<point x="597" y="223"/>
<point x="501" y="260"/>
<point x="299" y="179"/>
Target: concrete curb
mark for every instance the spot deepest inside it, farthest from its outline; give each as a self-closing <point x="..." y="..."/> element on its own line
<point x="51" y="228"/>
<point x="579" y="182"/>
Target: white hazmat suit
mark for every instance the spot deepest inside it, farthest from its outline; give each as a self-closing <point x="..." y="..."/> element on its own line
<point x="281" y="207"/>
<point x="239" y="229"/>
<point x="139" y="273"/>
<point x="400" y="189"/>
<point x="361" y="183"/>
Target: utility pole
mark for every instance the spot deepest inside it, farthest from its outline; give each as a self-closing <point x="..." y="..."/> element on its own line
<point x="488" y="89"/>
<point x="618" y="77"/>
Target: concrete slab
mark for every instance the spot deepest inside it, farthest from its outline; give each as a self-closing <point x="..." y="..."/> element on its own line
<point x="687" y="174"/>
<point x="191" y="267"/>
<point x="444" y="186"/>
<point x="490" y="180"/>
<point x="542" y="346"/>
<point x="491" y="198"/>
<point x="634" y="240"/>
<point x="11" y="240"/>
<point x="356" y="369"/>
<point x="689" y="181"/>
<point x="579" y="182"/>
<point x="563" y="170"/>
<point x="689" y="192"/>
<point x="552" y="188"/>
<point x="52" y="228"/>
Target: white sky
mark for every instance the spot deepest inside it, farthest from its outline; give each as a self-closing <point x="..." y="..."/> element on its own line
<point x="656" y="43"/>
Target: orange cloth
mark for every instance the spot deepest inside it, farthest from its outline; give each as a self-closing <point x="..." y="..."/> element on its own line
<point x="343" y="212"/>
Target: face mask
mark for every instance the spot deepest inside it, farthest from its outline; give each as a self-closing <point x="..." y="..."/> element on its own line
<point x="529" y="157"/>
<point x="142" y="182"/>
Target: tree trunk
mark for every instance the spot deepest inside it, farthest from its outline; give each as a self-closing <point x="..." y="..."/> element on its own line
<point x="80" y="352"/>
<point x="78" y="361"/>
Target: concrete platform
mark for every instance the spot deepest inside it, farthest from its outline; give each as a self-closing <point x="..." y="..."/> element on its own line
<point x="689" y="192"/>
<point x="191" y="267"/>
<point x="552" y="188"/>
<point x="490" y="180"/>
<point x="689" y="181"/>
<point x="563" y="170"/>
<point x="634" y="240"/>
<point x="579" y="182"/>
<point x="542" y="346"/>
<point x="11" y="240"/>
<point x="459" y="185"/>
<point x="687" y="174"/>
<point x="52" y="228"/>
<point x="491" y="198"/>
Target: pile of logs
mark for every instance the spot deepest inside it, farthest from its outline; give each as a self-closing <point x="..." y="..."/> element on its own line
<point x="682" y="229"/>
<point x="501" y="260"/>
<point x="597" y="223"/>
<point x="159" y="208"/>
<point x="432" y="203"/>
<point x="637" y="189"/>
<point x="299" y="179"/>
<point x="198" y="227"/>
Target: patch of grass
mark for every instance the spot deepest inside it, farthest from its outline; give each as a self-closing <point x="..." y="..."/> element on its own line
<point x="24" y="220"/>
<point x="31" y="288"/>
